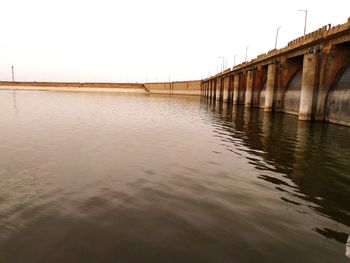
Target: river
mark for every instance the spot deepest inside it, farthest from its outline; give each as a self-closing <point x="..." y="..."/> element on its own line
<point x="91" y="177"/>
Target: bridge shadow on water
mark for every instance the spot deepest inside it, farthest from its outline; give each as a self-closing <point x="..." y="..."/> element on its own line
<point x="312" y="158"/>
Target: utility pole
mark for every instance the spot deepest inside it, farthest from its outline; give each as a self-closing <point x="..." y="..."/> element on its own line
<point x="223" y="63"/>
<point x="304" y="10"/>
<point x="13" y="74"/>
<point x="277" y="36"/>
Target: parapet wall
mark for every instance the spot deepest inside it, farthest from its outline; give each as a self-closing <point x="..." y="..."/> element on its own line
<point x="178" y="87"/>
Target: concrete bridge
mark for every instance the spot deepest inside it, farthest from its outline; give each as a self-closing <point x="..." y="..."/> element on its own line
<point x="310" y="77"/>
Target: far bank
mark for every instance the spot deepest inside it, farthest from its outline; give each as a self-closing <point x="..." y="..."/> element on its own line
<point x="175" y="88"/>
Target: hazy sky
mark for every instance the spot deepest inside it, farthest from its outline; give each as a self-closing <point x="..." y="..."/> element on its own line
<point x="147" y="40"/>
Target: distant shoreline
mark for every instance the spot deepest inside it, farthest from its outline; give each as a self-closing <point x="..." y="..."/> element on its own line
<point x="176" y="88"/>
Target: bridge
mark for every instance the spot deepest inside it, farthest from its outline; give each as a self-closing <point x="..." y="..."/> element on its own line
<point x="310" y="77"/>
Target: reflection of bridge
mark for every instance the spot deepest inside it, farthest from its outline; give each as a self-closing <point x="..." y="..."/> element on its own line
<point x="310" y="77"/>
<point x="309" y="161"/>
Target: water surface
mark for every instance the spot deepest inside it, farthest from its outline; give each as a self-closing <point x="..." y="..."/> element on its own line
<point x="136" y="178"/>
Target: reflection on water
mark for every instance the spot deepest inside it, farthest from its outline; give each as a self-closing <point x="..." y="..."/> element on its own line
<point x="137" y="178"/>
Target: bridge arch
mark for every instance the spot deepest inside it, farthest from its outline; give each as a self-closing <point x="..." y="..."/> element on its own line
<point x="338" y="99"/>
<point x="291" y="95"/>
<point x="262" y="95"/>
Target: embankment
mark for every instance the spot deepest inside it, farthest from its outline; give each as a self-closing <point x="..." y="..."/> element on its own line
<point x="176" y="88"/>
<point x="75" y="86"/>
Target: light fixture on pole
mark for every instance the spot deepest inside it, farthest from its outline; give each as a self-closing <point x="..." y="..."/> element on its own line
<point x="304" y="10"/>
<point x="277" y="36"/>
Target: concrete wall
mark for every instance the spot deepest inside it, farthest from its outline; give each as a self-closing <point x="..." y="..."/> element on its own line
<point x="178" y="87"/>
<point x="75" y="86"/>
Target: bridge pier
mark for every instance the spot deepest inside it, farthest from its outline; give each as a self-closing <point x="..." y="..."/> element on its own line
<point x="206" y="89"/>
<point x="235" y="88"/>
<point x="249" y="89"/>
<point x="230" y="79"/>
<point x="218" y="89"/>
<point x="309" y="78"/>
<point x="226" y="84"/>
<point x="210" y="89"/>
<point x="270" y="87"/>
<point x="308" y="81"/>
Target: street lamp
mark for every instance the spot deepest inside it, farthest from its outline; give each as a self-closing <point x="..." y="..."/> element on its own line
<point x="13" y="74"/>
<point x="234" y="59"/>
<point x="246" y="53"/>
<point x="223" y="62"/>
<point x="304" y="10"/>
<point x="277" y="36"/>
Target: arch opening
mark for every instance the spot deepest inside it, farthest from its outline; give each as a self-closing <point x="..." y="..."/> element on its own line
<point x="291" y="101"/>
<point x="338" y="100"/>
<point x="262" y="96"/>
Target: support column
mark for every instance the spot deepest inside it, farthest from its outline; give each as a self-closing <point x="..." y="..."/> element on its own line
<point x="206" y="89"/>
<point x="270" y="87"/>
<point x="226" y="89"/>
<point x="218" y="89"/>
<point x="235" y="88"/>
<point x="249" y="89"/>
<point x="230" y="85"/>
<point x="210" y="95"/>
<point x="214" y="89"/>
<point x="308" y="86"/>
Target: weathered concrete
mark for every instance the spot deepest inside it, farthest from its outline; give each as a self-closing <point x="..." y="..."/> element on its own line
<point x="218" y="95"/>
<point x="292" y="94"/>
<point x="235" y="89"/>
<point x="249" y="89"/>
<point x="176" y="88"/>
<point x="307" y="78"/>
<point x="338" y="101"/>
<point x="270" y="87"/>
<point x="308" y="83"/>
<point x="231" y="78"/>
<point x="226" y="93"/>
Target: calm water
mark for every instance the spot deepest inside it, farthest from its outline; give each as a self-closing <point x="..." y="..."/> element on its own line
<point x="137" y="178"/>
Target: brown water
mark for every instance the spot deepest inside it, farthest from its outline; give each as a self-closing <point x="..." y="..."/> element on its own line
<point x="137" y="178"/>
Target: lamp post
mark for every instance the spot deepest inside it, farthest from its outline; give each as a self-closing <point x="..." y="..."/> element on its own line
<point x="234" y="59"/>
<point x="223" y="62"/>
<point x="277" y="36"/>
<point x="246" y="53"/>
<point x="304" y="10"/>
<point x="13" y="74"/>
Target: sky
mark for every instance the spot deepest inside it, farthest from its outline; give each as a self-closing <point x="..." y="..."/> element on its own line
<point x="147" y="40"/>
